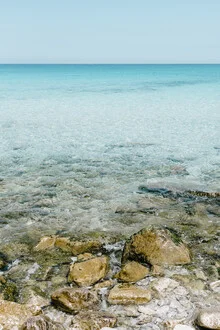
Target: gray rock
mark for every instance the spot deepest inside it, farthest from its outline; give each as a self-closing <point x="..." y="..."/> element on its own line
<point x="209" y="318"/>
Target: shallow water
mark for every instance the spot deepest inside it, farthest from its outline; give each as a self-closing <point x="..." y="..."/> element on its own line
<point x="76" y="141"/>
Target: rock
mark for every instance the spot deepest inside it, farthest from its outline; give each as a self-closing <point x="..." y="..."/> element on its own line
<point x="14" y="315"/>
<point x="88" y="272"/>
<point x="156" y="246"/>
<point x="63" y="243"/>
<point x="157" y="270"/>
<point x="209" y="318"/>
<point x="74" y="300"/>
<point x="84" y="256"/>
<point x="3" y="261"/>
<point x="126" y="294"/>
<point x="41" y="322"/>
<point x="183" y="327"/>
<point x="132" y="272"/>
<point x="94" y="320"/>
<point x="78" y="247"/>
<point x="215" y="286"/>
<point x="47" y="242"/>
<point x="104" y="284"/>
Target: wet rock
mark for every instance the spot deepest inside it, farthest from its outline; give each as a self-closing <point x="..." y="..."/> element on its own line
<point x="132" y="272"/>
<point x="156" y="246"/>
<point x="3" y="261"/>
<point x="74" y="300"/>
<point x="94" y="320"/>
<point x="78" y="247"/>
<point x="84" y="256"/>
<point x="14" y="315"/>
<point x="126" y="294"/>
<point x="47" y="242"/>
<point x="63" y="243"/>
<point x="88" y="272"/>
<point x="209" y="318"/>
<point x="13" y="251"/>
<point x="41" y="323"/>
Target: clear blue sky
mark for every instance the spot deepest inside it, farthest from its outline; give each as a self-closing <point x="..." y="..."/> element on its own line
<point x="109" y="31"/>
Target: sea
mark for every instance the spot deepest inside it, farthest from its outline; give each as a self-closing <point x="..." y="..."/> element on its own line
<point x="78" y="141"/>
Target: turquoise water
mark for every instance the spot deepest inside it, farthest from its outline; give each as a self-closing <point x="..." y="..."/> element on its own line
<point x="82" y="138"/>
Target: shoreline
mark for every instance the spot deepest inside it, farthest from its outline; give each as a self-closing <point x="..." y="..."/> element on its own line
<point x="33" y="268"/>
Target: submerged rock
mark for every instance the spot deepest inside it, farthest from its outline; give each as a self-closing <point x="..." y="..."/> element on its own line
<point x="88" y="272"/>
<point x="41" y="322"/>
<point x="74" y="300"/>
<point x="209" y="318"/>
<point x="156" y="246"/>
<point x="14" y="315"/>
<point x="126" y="294"/>
<point x="47" y="242"/>
<point x="132" y="272"/>
<point x="94" y="320"/>
<point x="77" y="247"/>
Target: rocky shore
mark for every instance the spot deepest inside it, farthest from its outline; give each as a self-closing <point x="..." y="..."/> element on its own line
<point x="164" y="276"/>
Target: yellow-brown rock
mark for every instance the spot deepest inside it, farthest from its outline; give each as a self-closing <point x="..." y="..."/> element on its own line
<point x="126" y="294"/>
<point x="63" y="243"/>
<point x="14" y="315"/>
<point x="78" y="247"/>
<point x="45" y="243"/>
<point x="156" y="246"/>
<point x="88" y="272"/>
<point x="74" y="300"/>
<point x="94" y="320"/>
<point x="132" y="272"/>
<point x="105" y="284"/>
<point x="85" y="256"/>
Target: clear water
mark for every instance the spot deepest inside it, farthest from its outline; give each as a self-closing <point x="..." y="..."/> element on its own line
<point x="76" y="141"/>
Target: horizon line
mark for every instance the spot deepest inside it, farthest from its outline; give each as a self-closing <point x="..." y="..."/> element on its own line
<point x="109" y="63"/>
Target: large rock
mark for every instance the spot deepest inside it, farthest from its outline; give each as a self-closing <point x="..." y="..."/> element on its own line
<point x="132" y="272"/>
<point x="74" y="300"/>
<point x="156" y="246"/>
<point x="127" y="294"/>
<point x="94" y="320"/>
<point x="14" y="315"/>
<point x="41" y="322"/>
<point x="209" y="318"/>
<point x="88" y="272"/>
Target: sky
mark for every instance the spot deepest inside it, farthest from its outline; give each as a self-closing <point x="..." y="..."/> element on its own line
<point x="109" y="31"/>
